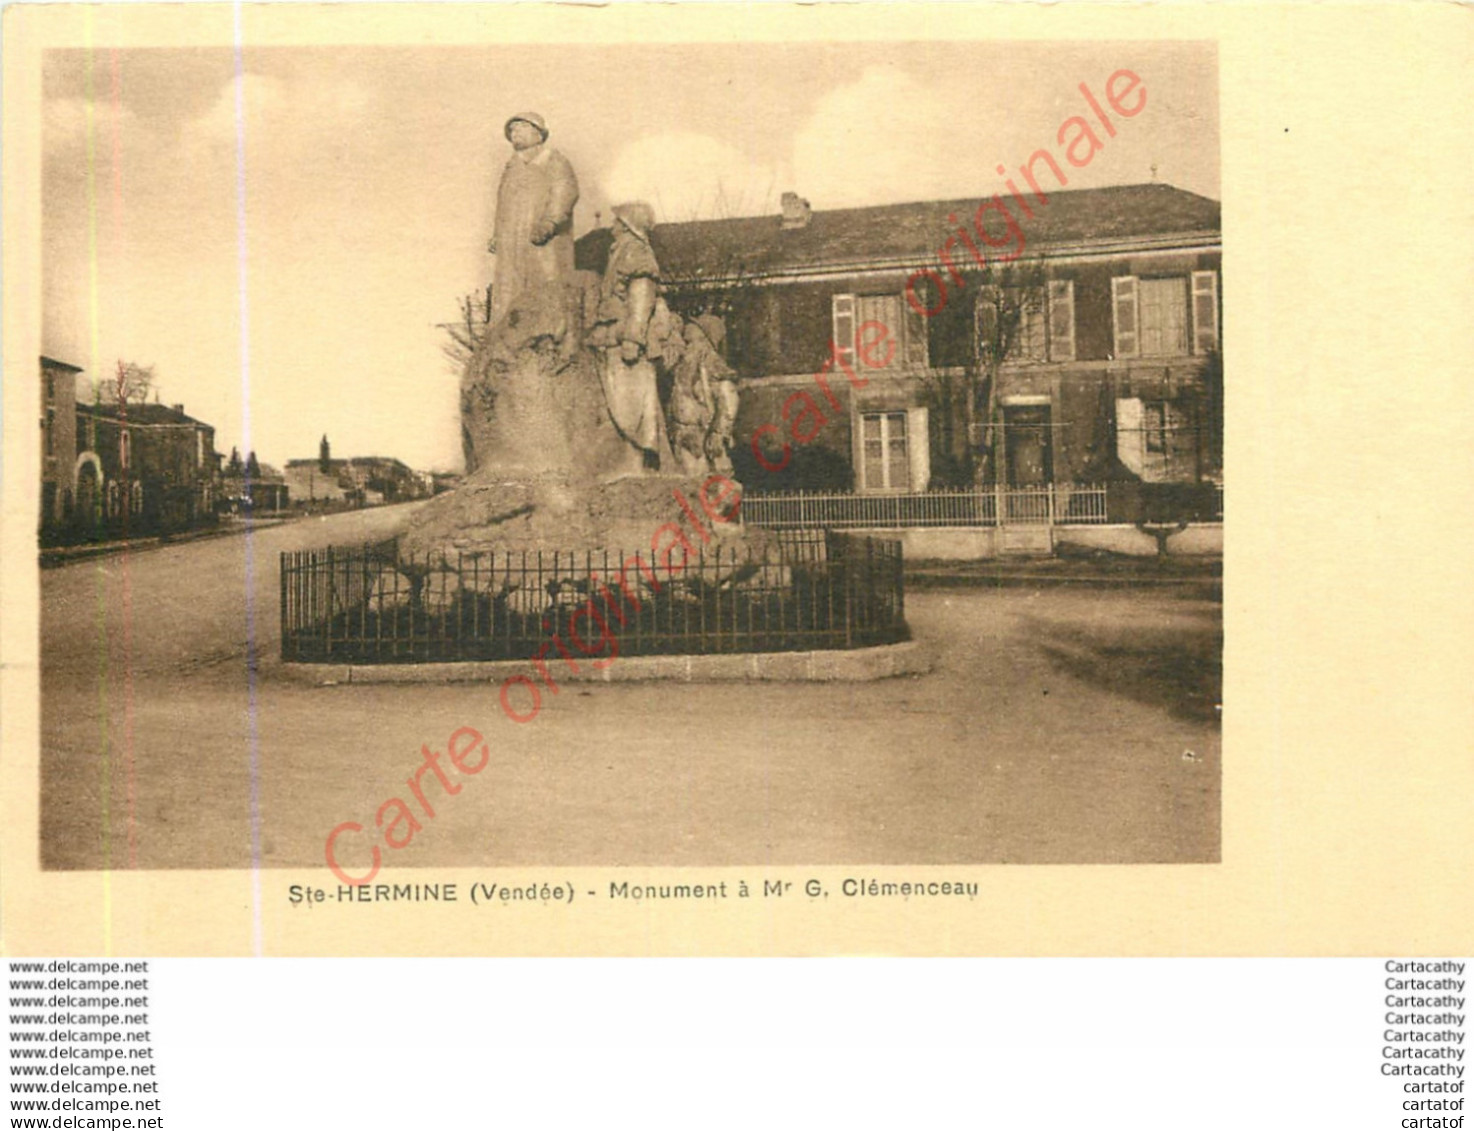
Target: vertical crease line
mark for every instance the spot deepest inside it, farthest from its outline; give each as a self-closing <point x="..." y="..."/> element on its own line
<point x="100" y="575"/>
<point x="124" y="565"/>
<point x="252" y="720"/>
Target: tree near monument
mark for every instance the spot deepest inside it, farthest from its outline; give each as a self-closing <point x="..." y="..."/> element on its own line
<point x="130" y="383"/>
<point x="466" y="333"/>
<point x="1007" y="302"/>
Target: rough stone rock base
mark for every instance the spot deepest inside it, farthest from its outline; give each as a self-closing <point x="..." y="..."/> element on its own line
<point x="491" y="513"/>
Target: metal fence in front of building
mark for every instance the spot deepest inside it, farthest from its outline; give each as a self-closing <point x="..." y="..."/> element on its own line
<point x="1059" y="504"/>
<point x="808" y="589"/>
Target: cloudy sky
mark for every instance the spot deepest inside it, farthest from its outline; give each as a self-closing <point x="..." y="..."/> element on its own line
<point x="368" y="178"/>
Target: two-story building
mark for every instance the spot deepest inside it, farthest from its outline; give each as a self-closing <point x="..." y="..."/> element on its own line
<point x="1112" y="368"/>
<point x="58" y="444"/>
<point x="143" y="469"/>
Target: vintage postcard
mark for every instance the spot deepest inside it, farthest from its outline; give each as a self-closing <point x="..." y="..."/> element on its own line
<point x="693" y="480"/>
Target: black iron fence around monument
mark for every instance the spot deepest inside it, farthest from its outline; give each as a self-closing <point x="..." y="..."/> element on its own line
<point x="805" y="590"/>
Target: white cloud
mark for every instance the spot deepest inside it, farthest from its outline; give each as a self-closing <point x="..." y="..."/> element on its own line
<point x="688" y="176"/>
<point x="884" y="138"/>
<point x="285" y="113"/>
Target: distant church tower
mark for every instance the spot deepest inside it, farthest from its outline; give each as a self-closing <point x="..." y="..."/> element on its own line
<point x="324" y="454"/>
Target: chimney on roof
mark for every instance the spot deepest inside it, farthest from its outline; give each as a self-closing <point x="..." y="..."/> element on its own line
<point x="179" y="408"/>
<point x="796" y="211"/>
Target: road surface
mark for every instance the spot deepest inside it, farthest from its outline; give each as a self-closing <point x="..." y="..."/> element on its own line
<point x="1061" y="726"/>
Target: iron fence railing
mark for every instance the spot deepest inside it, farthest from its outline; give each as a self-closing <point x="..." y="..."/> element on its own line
<point x="1059" y="503"/>
<point x="809" y="589"/>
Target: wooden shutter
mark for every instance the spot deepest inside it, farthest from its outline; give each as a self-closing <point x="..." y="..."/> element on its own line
<point x="917" y="353"/>
<point x="842" y="311"/>
<point x="919" y="436"/>
<point x="897" y="451"/>
<point x="985" y="321"/>
<point x="1130" y="448"/>
<point x="1061" y="320"/>
<point x="872" y="452"/>
<point x="1205" y="311"/>
<point x="1124" y="312"/>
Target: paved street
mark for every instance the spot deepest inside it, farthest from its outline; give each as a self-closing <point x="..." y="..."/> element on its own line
<point x="1062" y="725"/>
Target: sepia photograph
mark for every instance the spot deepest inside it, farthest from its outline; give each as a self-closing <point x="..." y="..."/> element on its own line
<point x="489" y="483"/>
<point x="638" y="454"/>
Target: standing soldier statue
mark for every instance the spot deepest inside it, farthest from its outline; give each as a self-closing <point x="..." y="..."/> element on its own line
<point x="632" y="330"/>
<point x="532" y="238"/>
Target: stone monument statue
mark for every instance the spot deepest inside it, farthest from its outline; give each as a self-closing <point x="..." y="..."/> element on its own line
<point x="533" y="233"/>
<point x="703" y="401"/>
<point x="632" y="326"/>
<point x="568" y="445"/>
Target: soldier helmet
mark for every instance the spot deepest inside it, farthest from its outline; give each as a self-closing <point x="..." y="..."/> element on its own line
<point x="532" y="119"/>
<point x="638" y="216"/>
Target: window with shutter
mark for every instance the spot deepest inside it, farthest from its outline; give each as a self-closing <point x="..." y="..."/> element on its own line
<point x="1029" y="340"/>
<point x="1124" y="315"/>
<point x="1161" y="313"/>
<point x="1205" y="311"/>
<point x="1013" y="320"/>
<point x="1062" y="320"/>
<point x="885" y="463"/>
<point x="885" y="310"/>
<point x="843" y="319"/>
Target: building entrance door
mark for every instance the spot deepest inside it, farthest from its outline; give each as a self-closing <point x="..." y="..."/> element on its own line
<point x="1029" y="470"/>
<point x="1026" y="432"/>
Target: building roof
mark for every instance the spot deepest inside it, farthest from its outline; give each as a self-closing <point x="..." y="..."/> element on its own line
<point x="333" y="464"/>
<point x="52" y="363"/>
<point x="912" y="234"/>
<point x="265" y="473"/>
<point x="336" y="464"/>
<point x="379" y="461"/>
<point x="143" y="414"/>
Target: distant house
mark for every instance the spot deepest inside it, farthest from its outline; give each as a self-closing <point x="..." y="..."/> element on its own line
<point x="308" y="481"/>
<point x="1114" y="372"/>
<point x="266" y="490"/>
<point x="58" y="445"/>
<point x="362" y="480"/>
<point x="142" y="469"/>
<point x="386" y="477"/>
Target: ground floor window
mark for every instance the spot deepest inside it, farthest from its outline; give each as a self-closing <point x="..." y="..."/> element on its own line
<point x="1159" y="440"/>
<point x="885" y="452"/>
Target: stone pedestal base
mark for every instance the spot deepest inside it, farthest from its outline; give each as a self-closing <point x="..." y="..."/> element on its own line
<point x="490" y="512"/>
